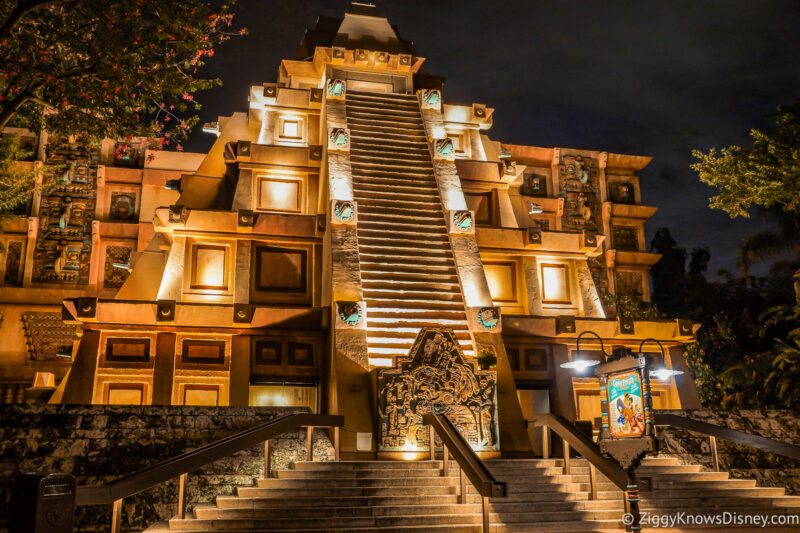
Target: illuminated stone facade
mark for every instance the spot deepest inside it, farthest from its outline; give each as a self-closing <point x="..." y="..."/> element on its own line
<point x="349" y="207"/>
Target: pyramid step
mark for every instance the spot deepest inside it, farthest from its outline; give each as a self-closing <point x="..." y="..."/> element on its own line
<point x="381" y="132"/>
<point x="407" y="249"/>
<point x="366" y="168"/>
<point x="354" y="116"/>
<point x="386" y="150"/>
<point x="424" y="188"/>
<point x="381" y="97"/>
<point x="425" y="286"/>
<point x="365" y="141"/>
<point x="439" y="296"/>
<point x="392" y="181"/>
<point x="663" y="460"/>
<point x="367" y="195"/>
<point x="393" y="214"/>
<point x="389" y="157"/>
<point x="369" y="110"/>
<point x="385" y="352"/>
<point x="371" y="127"/>
<point x="420" y="173"/>
<point x="372" y="272"/>
<point x="399" y="259"/>
<point x="406" y="323"/>
<point x="384" y="265"/>
<point x="366" y="105"/>
<point x="428" y="224"/>
<point x="420" y="303"/>
<point x="403" y="335"/>
<point x="433" y="234"/>
<point x="411" y="315"/>
<point x="358" y="160"/>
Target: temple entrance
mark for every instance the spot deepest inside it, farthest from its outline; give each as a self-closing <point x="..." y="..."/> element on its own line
<point x="534" y="402"/>
<point x="371" y="82"/>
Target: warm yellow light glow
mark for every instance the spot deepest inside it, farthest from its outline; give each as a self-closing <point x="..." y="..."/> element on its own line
<point x="201" y="396"/>
<point x="501" y="279"/>
<point x="555" y="285"/>
<point x="279" y="195"/>
<point x="381" y="362"/>
<point x="283" y="396"/>
<point x="291" y="129"/>
<point x="124" y="396"/>
<point x="210" y="267"/>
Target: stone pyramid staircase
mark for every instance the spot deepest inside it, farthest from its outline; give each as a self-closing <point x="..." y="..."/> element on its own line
<point x="394" y="496"/>
<point x="408" y="274"/>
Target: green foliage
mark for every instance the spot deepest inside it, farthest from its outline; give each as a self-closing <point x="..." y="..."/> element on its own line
<point x="633" y="306"/>
<point x="107" y="68"/>
<point x="767" y="174"/>
<point x="17" y="180"/>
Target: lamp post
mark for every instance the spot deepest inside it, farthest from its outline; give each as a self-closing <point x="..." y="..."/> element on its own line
<point x="627" y="430"/>
<point x="662" y="372"/>
<point x="579" y="363"/>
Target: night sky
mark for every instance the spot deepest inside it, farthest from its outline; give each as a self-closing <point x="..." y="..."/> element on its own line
<point x="646" y="78"/>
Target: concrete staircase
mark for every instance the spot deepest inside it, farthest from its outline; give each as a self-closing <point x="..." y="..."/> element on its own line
<point x="407" y="271"/>
<point x="395" y="496"/>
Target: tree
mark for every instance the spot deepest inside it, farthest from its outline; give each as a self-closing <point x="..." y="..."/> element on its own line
<point x="16" y="182"/>
<point x="766" y="175"/>
<point x="107" y="68"/>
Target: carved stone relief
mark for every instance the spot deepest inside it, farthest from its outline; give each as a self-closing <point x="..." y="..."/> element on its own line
<point x="625" y="237"/>
<point x="579" y="185"/>
<point x="47" y="335"/>
<point x="436" y="377"/>
<point x="13" y="262"/>
<point x="117" y="266"/>
<point x="64" y="242"/>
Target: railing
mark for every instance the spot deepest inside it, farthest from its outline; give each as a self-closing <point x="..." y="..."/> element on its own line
<point x="470" y="464"/>
<point x="740" y="437"/>
<point x="181" y="465"/>
<point x="583" y="444"/>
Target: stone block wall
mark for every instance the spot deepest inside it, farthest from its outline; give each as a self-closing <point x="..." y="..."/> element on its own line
<point x="769" y="470"/>
<point x="99" y="443"/>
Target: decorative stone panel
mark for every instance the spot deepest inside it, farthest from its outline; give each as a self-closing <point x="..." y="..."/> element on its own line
<point x="435" y="377"/>
<point x="338" y="139"/>
<point x="336" y="89"/>
<point x="344" y="213"/>
<point x="444" y="150"/>
<point x="485" y="319"/>
<point x="461" y="222"/>
<point x="47" y="335"/>
<point x="579" y="183"/>
<point x="117" y="266"/>
<point x="64" y="241"/>
<point x="625" y="238"/>
<point x="351" y="315"/>
<point x="13" y="263"/>
<point x="123" y="206"/>
<point x="431" y="99"/>
<point x="629" y="283"/>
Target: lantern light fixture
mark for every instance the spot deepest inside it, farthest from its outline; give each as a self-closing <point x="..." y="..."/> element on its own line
<point x="662" y="372"/>
<point x="579" y="363"/>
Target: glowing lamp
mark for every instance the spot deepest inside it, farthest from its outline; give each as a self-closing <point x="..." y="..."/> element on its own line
<point x="665" y="373"/>
<point x="579" y="363"/>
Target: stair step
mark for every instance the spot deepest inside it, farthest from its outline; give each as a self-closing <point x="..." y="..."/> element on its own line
<point x="403" y="335"/>
<point x="358" y="141"/>
<point x="401" y="216"/>
<point x="366" y="196"/>
<point x="399" y="134"/>
<point x="424" y="188"/>
<point x="414" y="481"/>
<point x="436" y="233"/>
<point x="367" y="105"/>
<point x="390" y="284"/>
<point x="369" y="110"/>
<point x="386" y="150"/>
<point x="355" y="116"/>
<point x="294" y="493"/>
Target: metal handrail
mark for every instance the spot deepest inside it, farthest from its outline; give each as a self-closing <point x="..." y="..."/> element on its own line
<point x="470" y="464"/>
<point x="181" y="465"/>
<point x="584" y="446"/>
<point x="733" y="435"/>
<point x="475" y="469"/>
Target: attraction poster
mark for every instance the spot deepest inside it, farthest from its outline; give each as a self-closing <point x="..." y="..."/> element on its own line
<point x="626" y="411"/>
